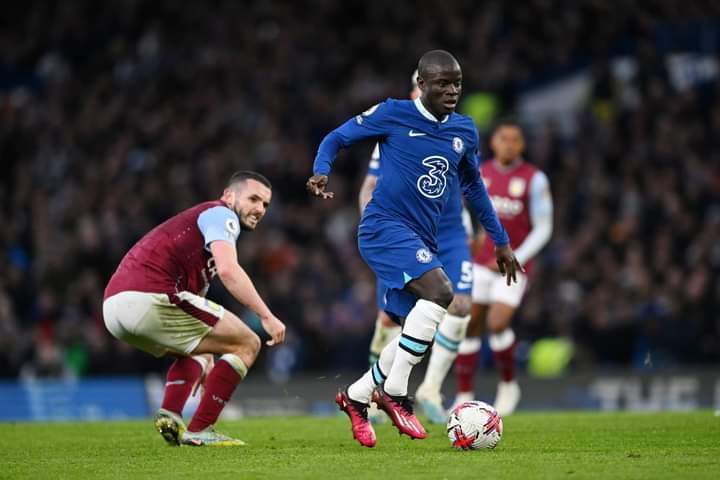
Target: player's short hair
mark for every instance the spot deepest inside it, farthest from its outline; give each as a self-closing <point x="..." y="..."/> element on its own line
<point x="436" y="60"/>
<point x="508" y="122"/>
<point x="244" y="175"/>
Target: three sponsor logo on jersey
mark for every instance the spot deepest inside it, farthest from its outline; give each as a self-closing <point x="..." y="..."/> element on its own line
<point x="432" y="184"/>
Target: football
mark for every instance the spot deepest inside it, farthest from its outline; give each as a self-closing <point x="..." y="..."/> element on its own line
<point x="474" y="425"/>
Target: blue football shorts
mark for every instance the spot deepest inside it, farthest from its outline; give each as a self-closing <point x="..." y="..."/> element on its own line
<point x="457" y="263"/>
<point x="397" y="255"/>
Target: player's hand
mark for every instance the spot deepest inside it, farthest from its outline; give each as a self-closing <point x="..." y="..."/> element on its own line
<point x="316" y="186"/>
<point x="275" y="328"/>
<point x="507" y="263"/>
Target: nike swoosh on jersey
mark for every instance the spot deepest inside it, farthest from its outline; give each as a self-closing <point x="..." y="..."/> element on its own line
<point x="413" y="133"/>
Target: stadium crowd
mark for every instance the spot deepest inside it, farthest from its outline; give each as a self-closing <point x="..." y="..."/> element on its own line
<point x="114" y="116"/>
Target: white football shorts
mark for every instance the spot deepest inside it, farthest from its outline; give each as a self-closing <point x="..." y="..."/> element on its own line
<point x="491" y="287"/>
<point x="156" y="325"/>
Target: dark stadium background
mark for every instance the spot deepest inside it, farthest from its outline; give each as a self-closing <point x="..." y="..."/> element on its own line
<point x="116" y="115"/>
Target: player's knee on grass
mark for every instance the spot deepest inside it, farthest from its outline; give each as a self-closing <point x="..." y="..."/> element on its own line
<point x="460" y="306"/>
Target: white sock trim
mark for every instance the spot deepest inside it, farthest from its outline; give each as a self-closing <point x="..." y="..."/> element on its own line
<point x="453" y="327"/>
<point x="430" y="309"/>
<point x="236" y="363"/>
<point x="441" y="360"/>
<point x="361" y="390"/>
<point x="422" y="321"/>
<point x="202" y="361"/>
<point x="420" y="327"/>
<point x="387" y="356"/>
<point x="503" y="340"/>
<point x="470" y="345"/>
<point x="415" y="339"/>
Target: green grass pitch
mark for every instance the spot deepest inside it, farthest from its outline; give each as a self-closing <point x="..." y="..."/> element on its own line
<point x="534" y="445"/>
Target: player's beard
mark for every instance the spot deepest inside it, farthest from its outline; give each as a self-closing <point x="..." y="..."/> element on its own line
<point x="245" y="226"/>
<point x="241" y="216"/>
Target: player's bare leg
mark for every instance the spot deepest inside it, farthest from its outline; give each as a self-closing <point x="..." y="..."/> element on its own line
<point x="385" y="331"/>
<point x="435" y="294"/>
<point x="183" y="378"/>
<point x="238" y="347"/>
<point x="468" y="355"/>
<point x="451" y="332"/>
<point x="502" y="342"/>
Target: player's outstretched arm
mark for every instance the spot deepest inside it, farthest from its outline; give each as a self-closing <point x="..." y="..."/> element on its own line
<point x="374" y="122"/>
<point x="238" y="283"/>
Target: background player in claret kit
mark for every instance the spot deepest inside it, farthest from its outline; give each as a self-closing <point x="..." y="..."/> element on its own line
<point x="155" y="302"/>
<point x="521" y="196"/>
<point x="453" y="230"/>
<point x="425" y="147"/>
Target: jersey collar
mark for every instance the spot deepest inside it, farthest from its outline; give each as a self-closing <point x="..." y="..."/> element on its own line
<point x="425" y="113"/>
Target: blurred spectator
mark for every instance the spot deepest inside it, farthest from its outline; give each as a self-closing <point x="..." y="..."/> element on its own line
<point x="115" y="115"/>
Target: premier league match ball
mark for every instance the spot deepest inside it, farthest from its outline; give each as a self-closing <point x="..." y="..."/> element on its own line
<point x="474" y="425"/>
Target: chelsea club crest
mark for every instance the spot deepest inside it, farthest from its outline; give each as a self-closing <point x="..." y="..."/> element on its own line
<point x="458" y="145"/>
<point x="423" y="255"/>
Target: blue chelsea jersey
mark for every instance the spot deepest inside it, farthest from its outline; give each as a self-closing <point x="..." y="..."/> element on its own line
<point x="451" y="230"/>
<point x="422" y="158"/>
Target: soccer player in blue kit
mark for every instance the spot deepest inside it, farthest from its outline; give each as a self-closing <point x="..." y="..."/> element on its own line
<point x="425" y="147"/>
<point x="453" y="239"/>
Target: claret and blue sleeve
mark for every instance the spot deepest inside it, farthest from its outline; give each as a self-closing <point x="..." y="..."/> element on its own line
<point x="219" y="223"/>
